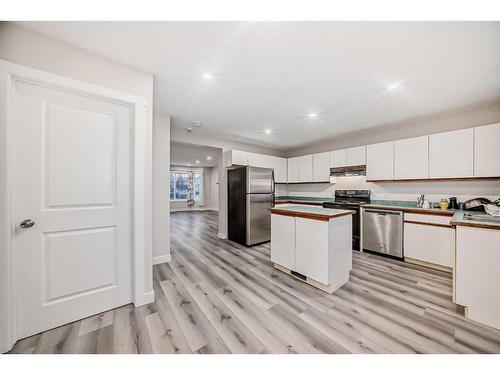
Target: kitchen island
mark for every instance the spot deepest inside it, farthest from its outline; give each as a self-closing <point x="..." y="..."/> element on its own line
<point x="313" y="244"/>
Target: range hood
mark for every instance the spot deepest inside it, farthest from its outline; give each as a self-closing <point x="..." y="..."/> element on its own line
<point x="355" y="170"/>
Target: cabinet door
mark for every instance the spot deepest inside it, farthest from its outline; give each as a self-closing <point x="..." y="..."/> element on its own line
<point x="268" y="161"/>
<point x="321" y="167"/>
<point x="283" y="240"/>
<point x="356" y="155"/>
<point x="293" y="170"/>
<point x="411" y="158"/>
<point x="306" y="168"/>
<point x="280" y="172"/>
<point x="239" y="157"/>
<point x="311" y="249"/>
<point x="338" y="158"/>
<point x="429" y="243"/>
<point x="380" y="161"/>
<point x="254" y="160"/>
<point x="451" y="154"/>
<point x="487" y="151"/>
<point x="278" y="165"/>
<point x="478" y="274"/>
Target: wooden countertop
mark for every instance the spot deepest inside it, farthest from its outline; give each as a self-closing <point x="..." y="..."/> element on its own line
<point x="312" y="212"/>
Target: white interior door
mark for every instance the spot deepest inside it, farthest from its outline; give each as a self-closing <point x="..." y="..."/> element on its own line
<point x="71" y="177"/>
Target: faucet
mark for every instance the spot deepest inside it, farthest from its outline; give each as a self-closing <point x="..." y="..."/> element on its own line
<point x="420" y="201"/>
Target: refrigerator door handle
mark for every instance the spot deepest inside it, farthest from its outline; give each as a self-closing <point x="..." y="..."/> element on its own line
<point x="273" y="182"/>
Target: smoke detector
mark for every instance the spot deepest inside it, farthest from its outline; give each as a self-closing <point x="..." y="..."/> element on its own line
<point x="189" y="130"/>
<point x="197" y="124"/>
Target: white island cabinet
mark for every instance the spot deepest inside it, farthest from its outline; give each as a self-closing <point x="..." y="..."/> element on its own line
<point x="313" y="244"/>
<point x="477" y="272"/>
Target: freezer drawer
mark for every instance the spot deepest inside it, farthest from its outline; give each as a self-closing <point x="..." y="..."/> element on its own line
<point x="260" y="180"/>
<point x="258" y="220"/>
<point x="383" y="232"/>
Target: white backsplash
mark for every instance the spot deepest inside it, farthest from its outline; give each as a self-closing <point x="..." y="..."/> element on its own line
<point x="404" y="191"/>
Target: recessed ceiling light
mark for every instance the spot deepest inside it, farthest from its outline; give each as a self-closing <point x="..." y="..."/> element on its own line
<point x="208" y="76"/>
<point x="268" y="131"/>
<point x="197" y="162"/>
<point x="393" y="86"/>
<point x="209" y="158"/>
<point x="312" y="115"/>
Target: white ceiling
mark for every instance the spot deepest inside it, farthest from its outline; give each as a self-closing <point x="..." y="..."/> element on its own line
<point x="270" y="75"/>
<point x="186" y="155"/>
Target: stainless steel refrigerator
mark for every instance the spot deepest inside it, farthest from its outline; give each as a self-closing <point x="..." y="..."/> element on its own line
<point x="250" y="195"/>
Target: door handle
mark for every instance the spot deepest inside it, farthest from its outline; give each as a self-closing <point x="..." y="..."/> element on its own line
<point x="26" y="223"/>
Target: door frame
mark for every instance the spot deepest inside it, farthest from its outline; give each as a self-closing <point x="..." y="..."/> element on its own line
<point x="141" y="195"/>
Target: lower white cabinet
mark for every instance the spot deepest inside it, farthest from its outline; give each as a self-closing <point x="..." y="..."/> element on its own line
<point x="321" y="167"/>
<point x="311" y="249"/>
<point x="477" y="274"/>
<point x="283" y="240"/>
<point x="429" y="239"/>
<point x="319" y="250"/>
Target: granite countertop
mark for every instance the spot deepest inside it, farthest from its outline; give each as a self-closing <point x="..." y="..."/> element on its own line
<point x="310" y="212"/>
<point x="304" y="199"/>
<point x="407" y="206"/>
<point x="488" y="222"/>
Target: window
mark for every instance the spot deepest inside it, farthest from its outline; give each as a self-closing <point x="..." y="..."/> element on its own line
<point x="179" y="182"/>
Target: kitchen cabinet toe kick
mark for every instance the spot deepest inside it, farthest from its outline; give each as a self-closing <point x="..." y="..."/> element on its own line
<point x="328" y="288"/>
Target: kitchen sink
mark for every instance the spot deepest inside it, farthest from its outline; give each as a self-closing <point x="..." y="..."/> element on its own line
<point x="485" y="218"/>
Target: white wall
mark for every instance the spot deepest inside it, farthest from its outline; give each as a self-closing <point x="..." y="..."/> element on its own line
<point x="25" y="47"/>
<point x="407" y="191"/>
<point x="437" y="123"/>
<point x="161" y="199"/>
<point x="209" y="190"/>
<point x="214" y="188"/>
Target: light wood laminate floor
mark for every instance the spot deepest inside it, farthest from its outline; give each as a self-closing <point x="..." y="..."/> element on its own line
<point x="219" y="297"/>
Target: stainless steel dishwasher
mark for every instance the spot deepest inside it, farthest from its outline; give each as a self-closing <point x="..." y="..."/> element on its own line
<point x="383" y="232"/>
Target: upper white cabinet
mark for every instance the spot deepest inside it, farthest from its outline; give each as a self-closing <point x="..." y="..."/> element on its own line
<point x="348" y="156"/>
<point x="451" y="154"/>
<point x="236" y="157"/>
<point x="487" y="151"/>
<point x="305" y="168"/>
<point x="279" y="165"/>
<point x="321" y="166"/>
<point x="293" y="170"/>
<point x="254" y="160"/>
<point x="380" y="161"/>
<point x="411" y="158"/>
<point x="338" y="158"/>
<point x="356" y="156"/>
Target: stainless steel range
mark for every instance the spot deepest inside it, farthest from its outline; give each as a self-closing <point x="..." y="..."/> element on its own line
<point x="351" y="200"/>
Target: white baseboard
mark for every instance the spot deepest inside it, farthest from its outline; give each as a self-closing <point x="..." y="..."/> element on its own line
<point x="162" y="259"/>
<point x="192" y="209"/>
<point x="222" y="235"/>
<point x="145" y="299"/>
